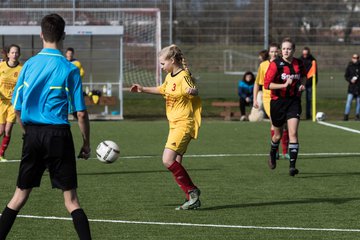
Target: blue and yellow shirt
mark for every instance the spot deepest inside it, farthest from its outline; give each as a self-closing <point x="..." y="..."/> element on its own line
<point x="48" y="88"/>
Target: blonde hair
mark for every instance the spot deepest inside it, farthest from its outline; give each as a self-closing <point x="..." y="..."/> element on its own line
<point x="174" y="52"/>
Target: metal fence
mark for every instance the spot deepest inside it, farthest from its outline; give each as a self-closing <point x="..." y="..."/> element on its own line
<point x="208" y="30"/>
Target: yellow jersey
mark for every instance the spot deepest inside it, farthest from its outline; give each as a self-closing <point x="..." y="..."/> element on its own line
<point x="77" y="63"/>
<point x="181" y="107"/>
<point x="8" y="78"/>
<point x="260" y="78"/>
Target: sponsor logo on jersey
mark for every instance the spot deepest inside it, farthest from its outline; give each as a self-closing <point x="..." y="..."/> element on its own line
<point x="285" y="76"/>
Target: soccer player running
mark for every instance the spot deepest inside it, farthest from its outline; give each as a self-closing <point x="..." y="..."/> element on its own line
<point x="285" y="78"/>
<point x="48" y="86"/>
<point x="266" y="96"/>
<point x="9" y="73"/>
<point x="183" y="110"/>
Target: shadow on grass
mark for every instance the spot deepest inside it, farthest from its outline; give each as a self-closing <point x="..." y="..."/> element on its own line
<point x="334" y="201"/>
<point x="142" y="172"/>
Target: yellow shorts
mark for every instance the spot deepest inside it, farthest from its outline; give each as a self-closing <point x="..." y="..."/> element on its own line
<point x="179" y="137"/>
<point x="266" y="106"/>
<point x="266" y="101"/>
<point x="7" y="112"/>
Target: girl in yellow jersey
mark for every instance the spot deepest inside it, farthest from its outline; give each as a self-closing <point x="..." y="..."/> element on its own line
<point x="9" y="72"/>
<point x="259" y="81"/>
<point x="69" y="54"/>
<point x="183" y="110"/>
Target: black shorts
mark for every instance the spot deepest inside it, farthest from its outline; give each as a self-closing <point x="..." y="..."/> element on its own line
<point x="51" y="147"/>
<point x="283" y="109"/>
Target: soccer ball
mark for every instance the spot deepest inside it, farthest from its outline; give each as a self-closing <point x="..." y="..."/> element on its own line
<point x="107" y="151"/>
<point x="320" y="116"/>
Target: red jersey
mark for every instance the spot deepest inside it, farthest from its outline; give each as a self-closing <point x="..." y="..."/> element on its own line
<point x="279" y="71"/>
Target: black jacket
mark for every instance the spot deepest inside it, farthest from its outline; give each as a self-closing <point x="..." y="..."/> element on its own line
<point x="353" y="70"/>
<point x="308" y="64"/>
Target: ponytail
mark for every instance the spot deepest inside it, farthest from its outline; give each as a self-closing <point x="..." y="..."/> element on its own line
<point x="174" y="52"/>
<point x="185" y="66"/>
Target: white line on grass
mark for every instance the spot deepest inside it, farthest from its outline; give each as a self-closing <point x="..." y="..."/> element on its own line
<point x="246" y="155"/>
<point x="196" y="224"/>
<point x="324" y="154"/>
<point x="339" y="127"/>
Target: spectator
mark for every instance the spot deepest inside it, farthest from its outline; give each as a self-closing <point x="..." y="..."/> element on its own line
<point x="311" y="70"/>
<point x="245" y="91"/>
<point x="352" y="76"/>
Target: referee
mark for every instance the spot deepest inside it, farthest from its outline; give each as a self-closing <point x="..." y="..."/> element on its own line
<point x="48" y="88"/>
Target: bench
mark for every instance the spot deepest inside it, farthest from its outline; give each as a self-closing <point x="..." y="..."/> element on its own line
<point x="103" y="101"/>
<point x="228" y="112"/>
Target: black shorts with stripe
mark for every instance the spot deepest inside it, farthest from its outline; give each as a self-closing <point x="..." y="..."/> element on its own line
<point x="284" y="109"/>
<point x="48" y="147"/>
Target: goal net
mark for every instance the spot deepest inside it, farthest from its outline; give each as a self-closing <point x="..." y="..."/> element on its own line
<point x="111" y="62"/>
<point x="237" y="63"/>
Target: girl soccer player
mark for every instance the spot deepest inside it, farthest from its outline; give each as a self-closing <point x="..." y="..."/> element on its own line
<point x="9" y="72"/>
<point x="259" y="82"/>
<point x="183" y="110"/>
<point x="285" y="78"/>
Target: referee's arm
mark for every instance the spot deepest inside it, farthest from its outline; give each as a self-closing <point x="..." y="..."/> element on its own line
<point x="18" y="116"/>
<point x="83" y="121"/>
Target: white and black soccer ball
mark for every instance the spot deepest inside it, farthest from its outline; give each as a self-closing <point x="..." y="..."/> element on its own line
<point x="107" y="151"/>
<point x="320" y="116"/>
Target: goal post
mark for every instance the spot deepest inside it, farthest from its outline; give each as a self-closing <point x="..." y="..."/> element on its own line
<point x="98" y="50"/>
<point x="237" y="63"/>
<point x="81" y="30"/>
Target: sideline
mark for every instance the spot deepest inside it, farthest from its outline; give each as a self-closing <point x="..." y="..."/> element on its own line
<point x="338" y="126"/>
<point x="320" y="154"/>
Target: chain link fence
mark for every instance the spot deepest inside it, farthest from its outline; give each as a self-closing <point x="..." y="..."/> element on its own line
<point x="208" y="30"/>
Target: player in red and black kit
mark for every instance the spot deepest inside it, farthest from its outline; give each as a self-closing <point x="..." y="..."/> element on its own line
<point x="285" y="78"/>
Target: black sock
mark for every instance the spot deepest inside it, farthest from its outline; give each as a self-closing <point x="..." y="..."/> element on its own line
<point x="293" y="153"/>
<point x="81" y="224"/>
<point x="7" y="219"/>
<point x="274" y="148"/>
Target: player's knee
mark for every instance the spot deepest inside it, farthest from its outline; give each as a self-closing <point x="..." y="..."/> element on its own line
<point x="72" y="205"/>
<point x="293" y="138"/>
<point x="19" y="199"/>
<point x="167" y="162"/>
<point x="276" y="138"/>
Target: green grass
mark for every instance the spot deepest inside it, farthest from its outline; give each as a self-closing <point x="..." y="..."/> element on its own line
<point x="236" y="189"/>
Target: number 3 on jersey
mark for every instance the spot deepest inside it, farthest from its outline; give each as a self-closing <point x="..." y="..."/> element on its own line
<point x="174" y="87"/>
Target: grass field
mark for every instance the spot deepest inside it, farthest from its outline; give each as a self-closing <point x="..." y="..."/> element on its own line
<point x="135" y="197"/>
